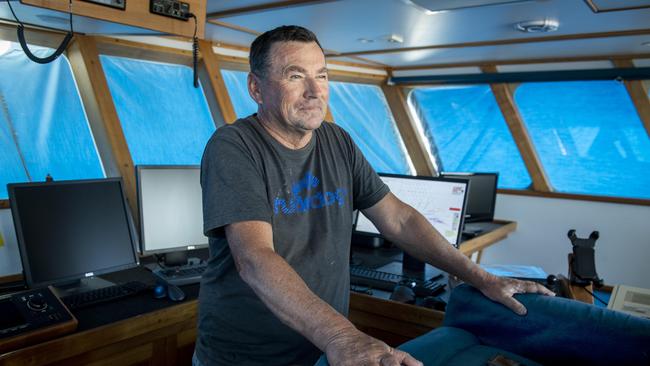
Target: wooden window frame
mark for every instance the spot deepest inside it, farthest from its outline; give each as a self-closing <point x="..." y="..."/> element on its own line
<point x="638" y="92"/>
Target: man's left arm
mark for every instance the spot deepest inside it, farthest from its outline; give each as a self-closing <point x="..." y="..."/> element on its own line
<point x="408" y="229"/>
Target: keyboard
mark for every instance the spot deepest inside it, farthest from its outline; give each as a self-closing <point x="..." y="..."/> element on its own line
<point x="387" y="281"/>
<point x="104" y="294"/>
<point x="180" y="276"/>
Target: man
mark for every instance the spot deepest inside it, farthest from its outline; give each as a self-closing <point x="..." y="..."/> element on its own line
<point x="279" y="188"/>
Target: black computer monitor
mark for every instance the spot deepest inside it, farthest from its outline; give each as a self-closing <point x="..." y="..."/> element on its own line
<point x="75" y="230"/>
<point x="171" y="210"/>
<point x="440" y="200"/>
<point x="482" y="196"/>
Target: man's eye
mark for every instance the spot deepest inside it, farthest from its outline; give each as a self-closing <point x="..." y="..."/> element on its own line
<point x="322" y="77"/>
<point x="295" y="77"/>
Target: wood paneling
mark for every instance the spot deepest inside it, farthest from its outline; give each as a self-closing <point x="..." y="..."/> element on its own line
<point x="11" y="278"/>
<point x="638" y="94"/>
<point x="406" y="126"/>
<point x="391" y="321"/>
<point x="483" y="241"/>
<point x="136" y="14"/>
<point x="525" y="61"/>
<point x="91" y="66"/>
<point x="34" y="36"/>
<point x="148" y="337"/>
<point x="126" y="48"/>
<point x="4" y="204"/>
<point x="211" y="63"/>
<point x="504" y="97"/>
<point x="578" y="197"/>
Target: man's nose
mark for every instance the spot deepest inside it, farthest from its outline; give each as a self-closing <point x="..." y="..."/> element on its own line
<point x="314" y="88"/>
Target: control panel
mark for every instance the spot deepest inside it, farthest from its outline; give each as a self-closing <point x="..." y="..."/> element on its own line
<point x="117" y="4"/>
<point x="170" y="8"/>
<point x="32" y="316"/>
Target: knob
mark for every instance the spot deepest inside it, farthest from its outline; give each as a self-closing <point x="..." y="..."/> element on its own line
<point x="37" y="304"/>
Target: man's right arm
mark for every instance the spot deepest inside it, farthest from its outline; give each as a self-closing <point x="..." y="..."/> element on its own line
<point x="288" y="297"/>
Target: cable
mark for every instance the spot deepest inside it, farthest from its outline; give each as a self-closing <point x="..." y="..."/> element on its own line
<point x="595" y="297"/>
<point x="23" y="42"/>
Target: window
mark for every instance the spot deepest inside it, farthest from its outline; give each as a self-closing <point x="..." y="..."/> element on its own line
<point x="164" y="118"/>
<point x="364" y="113"/>
<point x="465" y="126"/>
<point x="237" y="86"/>
<point x="43" y="125"/>
<point x="589" y="137"/>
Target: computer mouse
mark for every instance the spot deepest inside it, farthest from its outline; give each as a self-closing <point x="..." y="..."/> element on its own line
<point x="175" y="293"/>
<point x="433" y="302"/>
<point x="403" y="294"/>
<point x="160" y="291"/>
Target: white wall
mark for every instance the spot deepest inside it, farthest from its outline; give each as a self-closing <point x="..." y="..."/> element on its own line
<point x="9" y="256"/>
<point x="622" y="252"/>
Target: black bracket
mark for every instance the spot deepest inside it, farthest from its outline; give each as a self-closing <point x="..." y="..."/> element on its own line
<point x="582" y="264"/>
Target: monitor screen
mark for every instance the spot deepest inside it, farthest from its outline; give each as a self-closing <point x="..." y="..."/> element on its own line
<point x="482" y="194"/>
<point x="171" y="208"/>
<point x="439" y="200"/>
<point x="71" y="230"/>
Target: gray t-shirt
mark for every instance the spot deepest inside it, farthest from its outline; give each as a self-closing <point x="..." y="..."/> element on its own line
<point x="308" y="197"/>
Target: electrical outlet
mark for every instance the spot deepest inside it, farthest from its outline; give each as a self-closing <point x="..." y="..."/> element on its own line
<point x="170" y="8"/>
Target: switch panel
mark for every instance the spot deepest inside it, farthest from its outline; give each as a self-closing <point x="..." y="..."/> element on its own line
<point x="170" y="8"/>
<point x="117" y="4"/>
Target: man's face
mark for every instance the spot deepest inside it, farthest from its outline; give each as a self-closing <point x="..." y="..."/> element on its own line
<point x="295" y="89"/>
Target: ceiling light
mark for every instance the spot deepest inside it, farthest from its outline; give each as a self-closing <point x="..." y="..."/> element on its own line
<point x="538" y="26"/>
<point x="395" y="38"/>
<point x="5" y="46"/>
<point x="647" y="44"/>
<point x="365" y="40"/>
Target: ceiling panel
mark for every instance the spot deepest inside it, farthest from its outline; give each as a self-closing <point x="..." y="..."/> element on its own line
<point x="341" y="24"/>
<point x="617" y="5"/>
<point x="59" y="20"/>
<point x="558" y="49"/>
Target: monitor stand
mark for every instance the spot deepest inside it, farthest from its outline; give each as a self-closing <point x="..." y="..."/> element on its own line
<point x="175" y="259"/>
<point x="80" y="286"/>
<point x="412" y="267"/>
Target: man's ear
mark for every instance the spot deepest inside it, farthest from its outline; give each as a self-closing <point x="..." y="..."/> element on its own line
<point x="254" y="85"/>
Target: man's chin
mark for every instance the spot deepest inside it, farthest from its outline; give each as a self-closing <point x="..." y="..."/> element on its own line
<point x="312" y="122"/>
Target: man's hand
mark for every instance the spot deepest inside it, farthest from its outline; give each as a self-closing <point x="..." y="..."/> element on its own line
<point x="354" y="348"/>
<point x="501" y="289"/>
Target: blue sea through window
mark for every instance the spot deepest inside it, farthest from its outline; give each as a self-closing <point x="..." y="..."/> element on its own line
<point x="465" y="126"/>
<point x="166" y="121"/>
<point x="588" y="136"/>
<point x="236" y="84"/>
<point x="43" y="125"/>
<point x="363" y="112"/>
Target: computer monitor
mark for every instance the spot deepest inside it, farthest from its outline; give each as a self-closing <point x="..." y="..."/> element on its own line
<point x="171" y="209"/>
<point x="481" y="198"/>
<point x="440" y="200"/>
<point x="72" y="230"/>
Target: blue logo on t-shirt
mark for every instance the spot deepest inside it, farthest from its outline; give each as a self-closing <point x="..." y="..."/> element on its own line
<point x="298" y="203"/>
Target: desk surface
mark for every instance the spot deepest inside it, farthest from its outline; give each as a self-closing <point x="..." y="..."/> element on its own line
<point x="133" y="330"/>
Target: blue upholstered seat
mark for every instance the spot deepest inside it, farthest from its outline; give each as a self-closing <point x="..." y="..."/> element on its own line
<point x="555" y="331"/>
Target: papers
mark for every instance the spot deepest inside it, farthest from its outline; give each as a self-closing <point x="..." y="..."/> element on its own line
<point x="631" y="300"/>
